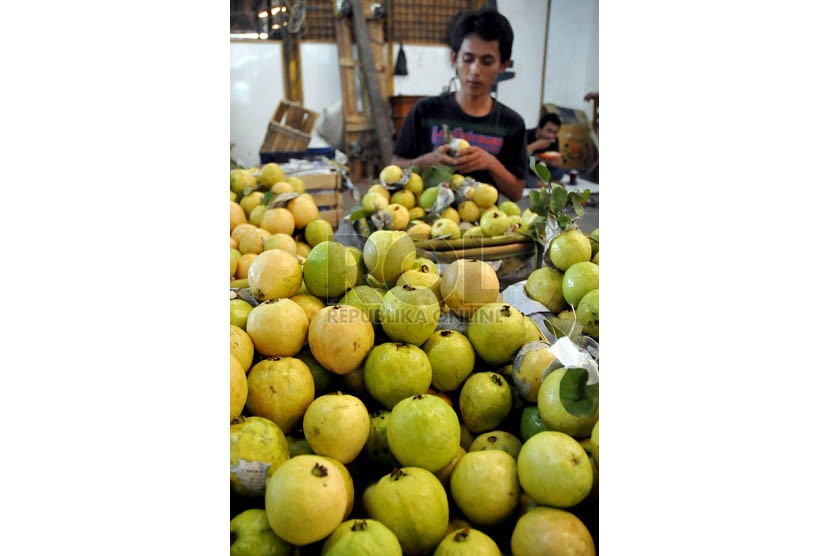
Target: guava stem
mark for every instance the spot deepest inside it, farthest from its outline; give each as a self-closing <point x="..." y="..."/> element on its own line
<point x="462" y="535"/>
<point x="359" y="525"/>
<point x="319" y="470"/>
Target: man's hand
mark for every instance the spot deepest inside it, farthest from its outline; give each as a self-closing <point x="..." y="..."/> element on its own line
<point x="439" y="157"/>
<point x="539" y="144"/>
<point x="472" y="159"/>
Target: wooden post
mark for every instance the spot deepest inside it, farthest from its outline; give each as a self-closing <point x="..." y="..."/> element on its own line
<point x="378" y="104"/>
<point x="292" y="80"/>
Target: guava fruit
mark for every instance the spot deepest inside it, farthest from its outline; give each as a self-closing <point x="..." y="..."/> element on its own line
<point x="241" y="179"/>
<point x="250" y="201"/>
<point x="387" y="254"/>
<point x="444" y="228"/>
<point x="410" y="314"/>
<point x="468" y="284"/>
<point x="378" y="188"/>
<point x="485" y="486"/>
<point x="403" y="197"/>
<point x="239" y="388"/>
<point x="347" y="480"/>
<point x="412" y="503"/>
<point x="400" y="216"/>
<point x="451" y="214"/>
<point x="270" y="174"/>
<point x="324" y="379"/>
<point x="428" y="197"/>
<point x="274" y="274"/>
<point x="242" y="348"/>
<point x="497" y="331"/>
<point x="253" y="241"/>
<point x="419" y="230"/>
<point x="256" y="215"/>
<point x="244" y="264"/>
<point x="529" y="367"/>
<point x="365" y="537"/>
<point x="494" y="223"/>
<point x="391" y="174"/>
<point x="240" y="230"/>
<point x="566" y="402"/>
<point x="452" y="359"/>
<point x="298" y="446"/>
<point x="277" y="327"/>
<point x="570" y="247"/>
<point x="377" y="445"/>
<point x="234" y="262"/>
<point x="278" y="221"/>
<point x="237" y="215"/>
<point x="545" y="286"/>
<point x="308" y="303"/>
<point x="280" y="389"/>
<point x="337" y="425"/>
<point x="485" y="401"/>
<point x="374" y="202"/>
<point x="497" y="440"/>
<point x="578" y="280"/>
<point x="297" y="183"/>
<point x="594" y="239"/>
<point x="305" y="499"/>
<point x="415" y="183"/>
<point x="258" y="447"/>
<point x="468" y="211"/>
<point x="510" y="208"/>
<point x="595" y="259"/>
<point x="280" y="241"/>
<point x="467" y="542"/>
<point x="304" y="210"/>
<point x="340" y="338"/>
<point x="555" y="470"/>
<point x="445" y="472"/>
<point x="485" y="195"/>
<point x="251" y="535"/>
<point x="547" y="531"/>
<point x="595" y="442"/>
<point x="393" y="372"/>
<point x="475" y="231"/>
<point x="421" y="277"/>
<point x="282" y="187"/>
<point x="423" y="261"/>
<point x="357" y="255"/>
<point x="530" y="422"/>
<point x="318" y="231"/>
<point x="423" y="431"/>
<point x="329" y="270"/>
<point x="587" y="313"/>
<point x="532" y="332"/>
<point x="367" y="299"/>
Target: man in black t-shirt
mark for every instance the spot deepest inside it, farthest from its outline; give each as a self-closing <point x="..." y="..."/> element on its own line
<point x="480" y="47"/>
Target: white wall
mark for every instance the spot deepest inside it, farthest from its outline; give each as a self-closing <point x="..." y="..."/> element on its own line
<point x="571" y="70"/>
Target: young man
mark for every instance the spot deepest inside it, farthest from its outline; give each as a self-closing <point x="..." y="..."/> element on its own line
<point x="545" y="138"/>
<point x="481" y="43"/>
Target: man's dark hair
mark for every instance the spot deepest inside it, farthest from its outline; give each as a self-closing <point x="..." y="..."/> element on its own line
<point x="550" y="117"/>
<point x="488" y="24"/>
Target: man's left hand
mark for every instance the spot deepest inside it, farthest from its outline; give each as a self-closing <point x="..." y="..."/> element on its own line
<point x="472" y="159"/>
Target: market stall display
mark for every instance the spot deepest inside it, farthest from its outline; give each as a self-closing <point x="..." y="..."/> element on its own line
<point x="383" y="398"/>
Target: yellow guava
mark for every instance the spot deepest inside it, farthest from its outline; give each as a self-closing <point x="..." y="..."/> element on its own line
<point x="452" y="359"/>
<point x="239" y="388"/>
<point x="485" y="486"/>
<point x="415" y="183"/>
<point x="337" y="425"/>
<point x="277" y="221"/>
<point x="403" y="197"/>
<point x="240" y="309"/>
<point x="304" y="210"/>
<point x="378" y="188"/>
<point x="547" y="531"/>
<point x="277" y="327"/>
<point x="400" y="216"/>
<point x="569" y="247"/>
<point x="374" y="202"/>
<point x="387" y="254"/>
<point x="340" y="338"/>
<point x="237" y="216"/>
<point x="497" y="331"/>
<point x="485" y="195"/>
<point x="494" y="223"/>
<point x="466" y="541"/>
<point x="391" y="174"/>
<point x="468" y="211"/>
<point x="555" y="470"/>
<point x="270" y="174"/>
<point x="497" y="440"/>
<point x="468" y="284"/>
<point x="241" y="179"/>
<point x="252" y="241"/>
<point x="309" y="303"/>
<point x="422" y="276"/>
<point x="281" y="241"/>
<point x="393" y="372"/>
<point x="258" y="448"/>
<point x="366" y="537"/>
<point x="242" y="348"/>
<point x="280" y="389"/>
<point x="485" y="401"/>
<point x="420" y="230"/>
<point x="274" y="274"/>
<point x="423" y="431"/>
<point x="318" y="231"/>
<point x="529" y="368"/>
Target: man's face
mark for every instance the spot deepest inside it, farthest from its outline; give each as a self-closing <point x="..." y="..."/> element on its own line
<point x="478" y="63"/>
<point x="549" y="131"/>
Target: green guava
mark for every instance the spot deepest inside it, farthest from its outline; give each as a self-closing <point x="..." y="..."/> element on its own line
<point x="329" y="270"/>
<point x="580" y="279"/>
<point x="337" y="425"/>
<point x="594" y="239"/>
<point x="530" y="422"/>
<point x="377" y="445"/>
<point x="423" y="431"/>
<point x="567" y="403"/>
<point x="467" y="542"/>
<point x="305" y="499"/>
<point x="587" y="313"/>
<point x="366" y="537"/>
<point x="258" y="448"/>
<point x="545" y="286"/>
<point x="485" y="401"/>
<point x="241" y="179"/>
<point x="413" y="504"/>
<point x="445" y="473"/>
<point x="367" y="299"/>
<point x="555" y="470"/>
<point x="394" y="371"/>
<point x="318" y="231"/>
<point x="496" y="331"/>
<point x="510" y="208"/>
<point x="298" y="446"/>
<point x="410" y="314"/>
<point x="421" y="261"/>
<point x="280" y="389"/>
<point x="570" y="247"/>
<point x="251" y="535"/>
<point x="387" y="254"/>
<point x="547" y="531"/>
<point x="340" y="338"/>
<point x="357" y="254"/>
<point x="595" y="442"/>
<point x="485" y="486"/>
<point x="497" y="440"/>
<point x="494" y="223"/>
<point x="445" y="228"/>
<point x="421" y="277"/>
<point x="324" y="380"/>
<point x="452" y="358"/>
<point x="347" y="480"/>
<point x="240" y="309"/>
<point x="428" y="197"/>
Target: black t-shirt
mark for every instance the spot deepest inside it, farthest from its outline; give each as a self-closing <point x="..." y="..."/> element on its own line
<point x="531" y="137"/>
<point x="501" y="132"/>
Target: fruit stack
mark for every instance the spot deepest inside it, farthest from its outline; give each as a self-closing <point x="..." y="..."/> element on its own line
<point x="359" y="426"/>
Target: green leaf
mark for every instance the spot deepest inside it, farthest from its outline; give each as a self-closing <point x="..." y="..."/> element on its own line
<point x="447" y="138"/>
<point x="538" y="201"/>
<point x="564" y="222"/>
<point x="267" y="197"/>
<point x="578" y="399"/>
<point x="561" y="328"/>
<point x="415" y="169"/>
<point x="434" y="175"/>
<point x="558" y="198"/>
<point x="578" y="208"/>
<point x="542" y="171"/>
<point x="358" y="214"/>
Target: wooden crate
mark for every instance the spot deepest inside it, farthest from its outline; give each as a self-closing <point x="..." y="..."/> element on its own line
<point x="290" y="128"/>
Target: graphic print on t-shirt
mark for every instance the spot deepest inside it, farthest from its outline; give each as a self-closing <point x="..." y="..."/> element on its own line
<point x="489" y="143"/>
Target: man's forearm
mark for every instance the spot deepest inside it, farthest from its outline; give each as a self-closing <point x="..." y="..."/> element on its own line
<point x="509" y="185"/>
